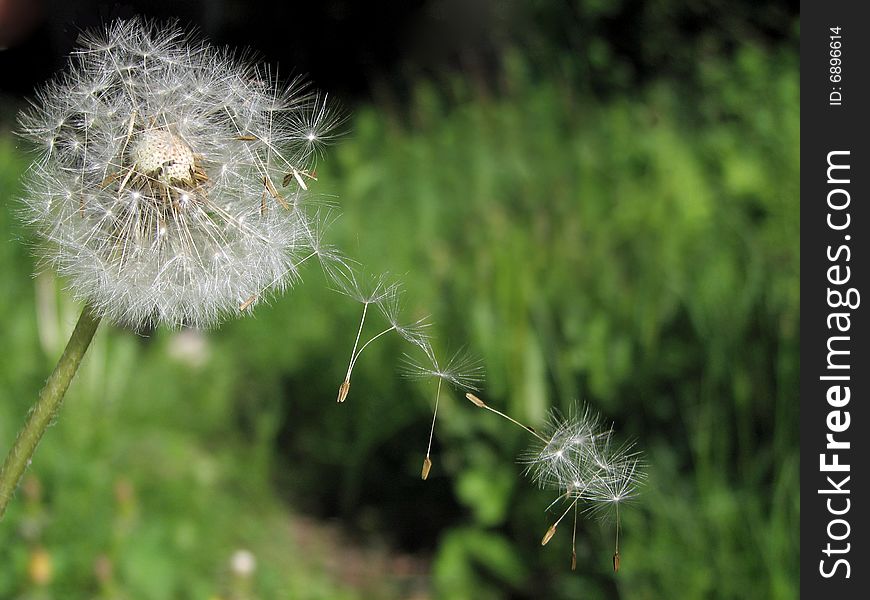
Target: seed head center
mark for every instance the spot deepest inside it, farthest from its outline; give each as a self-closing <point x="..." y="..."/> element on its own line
<point x="163" y="155"/>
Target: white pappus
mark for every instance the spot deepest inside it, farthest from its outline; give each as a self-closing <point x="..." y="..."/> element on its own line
<point x="170" y="177"/>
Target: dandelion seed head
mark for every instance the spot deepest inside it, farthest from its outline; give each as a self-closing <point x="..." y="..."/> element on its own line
<point x="462" y="371"/>
<point x="161" y="154"/>
<point x="365" y="289"/>
<point x="414" y="332"/>
<point x="158" y="185"/>
<point x="616" y="485"/>
<point x="579" y="460"/>
<point x="319" y="125"/>
<point x="564" y="460"/>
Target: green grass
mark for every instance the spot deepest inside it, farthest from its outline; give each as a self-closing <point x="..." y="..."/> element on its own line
<point x="640" y="254"/>
<point x="145" y="470"/>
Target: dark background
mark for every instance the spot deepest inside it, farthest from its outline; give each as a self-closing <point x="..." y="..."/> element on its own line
<point x="360" y="49"/>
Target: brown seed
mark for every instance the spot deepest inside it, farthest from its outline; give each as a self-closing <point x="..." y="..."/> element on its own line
<point x="573" y="560"/>
<point x="427" y="465"/>
<point x="297" y="175"/>
<point x="294" y="174"/>
<point x="247" y="303"/>
<point x="199" y="174"/>
<point x="246" y="138"/>
<point x="549" y="535"/>
<point x="475" y="400"/>
<point x="109" y="179"/>
<point x="274" y="193"/>
<point x="616" y="562"/>
<point x="343" y="389"/>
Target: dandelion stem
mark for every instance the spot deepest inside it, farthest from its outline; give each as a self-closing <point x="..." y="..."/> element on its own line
<point x="356" y="342"/>
<point x="552" y="530"/>
<point x="434" y="414"/>
<point x="478" y="402"/>
<point x="345" y="386"/>
<point x="363" y="347"/>
<point x="574" y="542"/>
<point x="617" y="528"/>
<point x="567" y="510"/>
<point x="616" y="551"/>
<point x="46" y="407"/>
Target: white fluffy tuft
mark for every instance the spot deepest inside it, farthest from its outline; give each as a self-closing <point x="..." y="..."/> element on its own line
<point x="577" y="457"/>
<point x="170" y="176"/>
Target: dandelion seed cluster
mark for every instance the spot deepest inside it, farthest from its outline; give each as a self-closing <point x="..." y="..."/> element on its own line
<point x="577" y="458"/>
<point x="171" y="176"/>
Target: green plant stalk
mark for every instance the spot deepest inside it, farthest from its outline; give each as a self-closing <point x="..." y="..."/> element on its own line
<point x="46" y="407"/>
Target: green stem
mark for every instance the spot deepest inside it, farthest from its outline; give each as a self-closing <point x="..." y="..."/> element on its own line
<point x="46" y="408"/>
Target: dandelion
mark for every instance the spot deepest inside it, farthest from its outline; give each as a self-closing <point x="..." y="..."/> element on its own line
<point x="243" y="566"/>
<point x="575" y="456"/>
<point x="243" y="563"/>
<point x="461" y="371"/>
<point x="387" y="298"/>
<point x="160" y="188"/>
<point x="168" y="187"/>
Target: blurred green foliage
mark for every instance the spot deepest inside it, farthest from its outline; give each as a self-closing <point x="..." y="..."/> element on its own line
<point x="638" y="253"/>
<point x="146" y="487"/>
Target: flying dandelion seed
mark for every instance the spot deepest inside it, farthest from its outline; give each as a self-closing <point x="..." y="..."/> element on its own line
<point x="576" y="457"/>
<point x="462" y="371"/>
<point x="569" y="446"/>
<point x="157" y="188"/>
<point x="387" y="298"/>
<point x="614" y="484"/>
